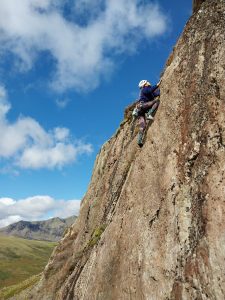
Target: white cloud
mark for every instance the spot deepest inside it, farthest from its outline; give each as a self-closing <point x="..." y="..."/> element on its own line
<point x="84" y="45"/>
<point x="6" y="201"/>
<point x="62" y="103"/>
<point x="61" y="134"/>
<point x="28" y="145"/>
<point x="36" y="157"/>
<point x="67" y="208"/>
<point x="4" y="105"/>
<point x="36" y="208"/>
<point x="9" y="220"/>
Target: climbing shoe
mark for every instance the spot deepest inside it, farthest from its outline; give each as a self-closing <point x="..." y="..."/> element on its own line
<point x="135" y="112"/>
<point x="140" y="139"/>
<point x="149" y="116"/>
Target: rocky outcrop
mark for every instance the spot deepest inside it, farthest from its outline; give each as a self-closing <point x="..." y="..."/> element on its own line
<point x="152" y="224"/>
<point x="48" y="230"/>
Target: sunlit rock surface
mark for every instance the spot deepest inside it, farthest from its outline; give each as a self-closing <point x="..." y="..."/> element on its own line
<point x="152" y="224"/>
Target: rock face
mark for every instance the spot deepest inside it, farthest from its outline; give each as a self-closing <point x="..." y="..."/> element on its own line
<point x="152" y="223"/>
<point x="49" y="230"/>
<point x="196" y="4"/>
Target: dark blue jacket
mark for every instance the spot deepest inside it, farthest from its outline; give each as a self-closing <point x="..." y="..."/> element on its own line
<point x="148" y="93"/>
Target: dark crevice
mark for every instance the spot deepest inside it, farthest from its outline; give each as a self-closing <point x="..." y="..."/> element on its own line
<point x="221" y="138"/>
<point x="87" y="219"/>
<point x="190" y="164"/>
<point x="152" y="277"/>
<point x="156" y="216"/>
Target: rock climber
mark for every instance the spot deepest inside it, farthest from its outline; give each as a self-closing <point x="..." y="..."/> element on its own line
<point x="147" y="105"/>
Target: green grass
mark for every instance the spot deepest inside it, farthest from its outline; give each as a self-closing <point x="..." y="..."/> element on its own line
<point x="96" y="235"/>
<point x="13" y="290"/>
<point x="20" y="259"/>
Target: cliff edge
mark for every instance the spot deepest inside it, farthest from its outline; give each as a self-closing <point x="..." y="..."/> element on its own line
<point x="196" y="4"/>
<point x="152" y="224"/>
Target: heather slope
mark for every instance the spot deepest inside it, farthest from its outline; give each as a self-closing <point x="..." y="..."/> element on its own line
<point x="151" y="225"/>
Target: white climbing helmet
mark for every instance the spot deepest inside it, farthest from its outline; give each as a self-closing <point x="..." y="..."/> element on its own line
<point x="143" y="83"/>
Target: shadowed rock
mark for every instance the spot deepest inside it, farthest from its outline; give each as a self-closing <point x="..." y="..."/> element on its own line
<point x="196" y="5"/>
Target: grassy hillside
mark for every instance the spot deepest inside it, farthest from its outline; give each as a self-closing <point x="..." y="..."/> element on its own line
<point x="20" y="258"/>
<point x="21" y="288"/>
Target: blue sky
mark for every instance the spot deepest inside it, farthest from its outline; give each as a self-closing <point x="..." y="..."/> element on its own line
<point x="68" y="69"/>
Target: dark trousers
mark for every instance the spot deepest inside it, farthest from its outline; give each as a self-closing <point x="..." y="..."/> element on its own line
<point x="144" y="108"/>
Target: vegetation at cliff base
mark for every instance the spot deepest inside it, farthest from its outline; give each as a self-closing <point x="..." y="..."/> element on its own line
<point x="12" y="290"/>
<point x="20" y="259"/>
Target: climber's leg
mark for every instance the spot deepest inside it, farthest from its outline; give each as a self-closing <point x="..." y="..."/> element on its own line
<point x="153" y="109"/>
<point x="145" y="106"/>
<point x="142" y="126"/>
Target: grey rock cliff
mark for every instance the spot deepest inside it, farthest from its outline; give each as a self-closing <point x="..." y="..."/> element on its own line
<point x="48" y="230"/>
<point x="152" y="223"/>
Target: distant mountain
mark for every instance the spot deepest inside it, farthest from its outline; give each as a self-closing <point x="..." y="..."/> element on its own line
<point x="49" y="230"/>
